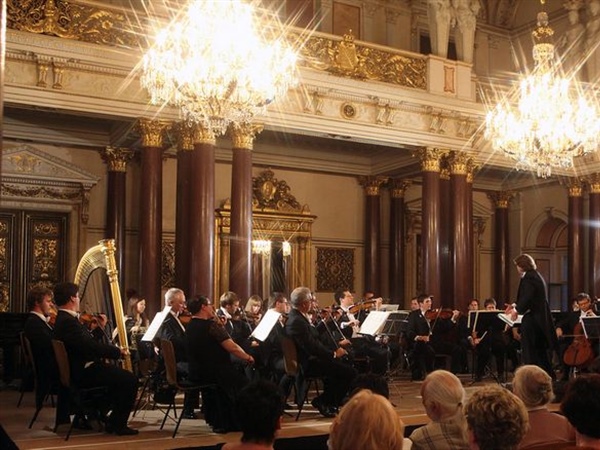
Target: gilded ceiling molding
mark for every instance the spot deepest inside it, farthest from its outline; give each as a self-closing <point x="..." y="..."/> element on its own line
<point x="398" y="187"/>
<point x="117" y="158"/>
<point x="501" y="199"/>
<point x="72" y="21"/>
<point x="242" y="135"/>
<point x="431" y="158"/>
<point x="372" y="184"/>
<point x="347" y="58"/>
<point x="152" y="132"/>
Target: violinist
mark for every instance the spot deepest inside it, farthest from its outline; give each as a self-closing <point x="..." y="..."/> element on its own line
<point x="490" y="342"/>
<point x="230" y="313"/>
<point x="362" y="346"/>
<point x="418" y="335"/>
<point x="39" y="332"/>
<point x="253" y="310"/>
<point x="445" y="336"/>
<point x="85" y="360"/>
<point x="315" y="358"/>
<point x="565" y="329"/>
<point x="173" y="330"/>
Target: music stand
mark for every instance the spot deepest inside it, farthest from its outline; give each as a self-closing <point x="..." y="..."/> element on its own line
<point x="155" y="324"/>
<point x="591" y="328"/>
<point x="483" y="322"/>
<point x="396" y="323"/>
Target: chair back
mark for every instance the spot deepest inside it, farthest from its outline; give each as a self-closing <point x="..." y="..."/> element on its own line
<point x="62" y="361"/>
<point x="290" y="356"/>
<point x="168" y="353"/>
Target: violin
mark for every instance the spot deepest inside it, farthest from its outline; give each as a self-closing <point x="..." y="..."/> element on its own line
<point x="439" y="313"/>
<point x="362" y="306"/>
<point x="185" y="317"/>
<point x="52" y="315"/>
<point x="92" y="320"/>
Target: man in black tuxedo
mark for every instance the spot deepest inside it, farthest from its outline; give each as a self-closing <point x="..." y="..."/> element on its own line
<point x="173" y="330"/>
<point x="315" y="358"/>
<point x="538" y="337"/>
<point x="85" y="360"/>
<point x="418" y="335"/>
<point x="39" y="332"/>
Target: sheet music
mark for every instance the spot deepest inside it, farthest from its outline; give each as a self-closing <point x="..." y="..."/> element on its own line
<point x="507" y="319"/>
<point x="266" y="324"/>
<point x="155" y="325"/>
<point x="374" y="323"/>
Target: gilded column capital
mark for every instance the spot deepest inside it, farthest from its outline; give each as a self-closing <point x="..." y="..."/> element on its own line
<point x="152" y="132"/>
<point x="459" y="163"/>
<point x="445" y="173"/>
<point x="398" y="187"/>
<point x="242" y="135"/>
<point x="593" y="181"/>
<point x="430" y="158"/>
<point x="116" y="158"/>
<point x="184" y="133"/>
<point x="471" y="169"/>
<point x="574" y="186"/>
<point x="203" y="135"/>
<point x="372" y="184"/>
<point x="501" y="199"/>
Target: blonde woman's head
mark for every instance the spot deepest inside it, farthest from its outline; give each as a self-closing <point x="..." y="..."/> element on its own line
<point x="533" y="385"/>
<point x="443" y="395"/>
<point x="367" y="421"/>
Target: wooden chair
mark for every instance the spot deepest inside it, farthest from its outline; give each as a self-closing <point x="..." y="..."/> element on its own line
<point x="27" y="371"/>
<point x="83" y="400"/>
<point x="40" y="396"/>
<point x="302" y="383"/>
<point x="168" y="353"/>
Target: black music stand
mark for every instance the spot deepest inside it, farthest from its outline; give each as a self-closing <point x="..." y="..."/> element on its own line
<point x="482" y="322"/>
<point x="395" y="324"/>
<point x="591" y="328"/>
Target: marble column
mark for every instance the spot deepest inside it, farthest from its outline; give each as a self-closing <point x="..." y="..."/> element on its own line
<point x="240" y="272"/>
<point x="445" y="237"/>
<point x="201" y="214"/>
<point x="372" y="261"/>
<point x="185" y="147"/>
<point x="502" y="261"/>
<point x="462" y="273"/>
<point x="397" y="240"/>
<point x="576" y="273"/>
<point x="594" y="236"/>
<point x="117" y="159"/>
<point x="430" y="227"/>
<point x="151" y="212"/>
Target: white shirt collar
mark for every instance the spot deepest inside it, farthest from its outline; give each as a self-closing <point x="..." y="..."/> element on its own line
<point x="40" y="315"/>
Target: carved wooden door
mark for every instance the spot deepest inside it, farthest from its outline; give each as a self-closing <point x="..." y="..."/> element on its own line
<point x="32" y="251"/>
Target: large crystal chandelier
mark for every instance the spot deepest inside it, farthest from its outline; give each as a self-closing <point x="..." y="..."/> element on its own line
<point x="553" y="123"/>
<point x="219" y="62"/>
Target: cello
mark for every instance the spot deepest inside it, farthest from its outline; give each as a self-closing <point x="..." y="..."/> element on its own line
<point x="580" y="353"/>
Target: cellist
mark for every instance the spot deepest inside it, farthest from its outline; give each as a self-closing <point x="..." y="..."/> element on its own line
<point x="565" y="330"/>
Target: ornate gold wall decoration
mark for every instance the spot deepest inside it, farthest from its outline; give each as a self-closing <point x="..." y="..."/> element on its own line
<point x="167" y="264"/>
<point x="349" y="59"/>
<point x="269" y="193"/>
<point x="71" y="21"/>
<point x="335" y="268"/>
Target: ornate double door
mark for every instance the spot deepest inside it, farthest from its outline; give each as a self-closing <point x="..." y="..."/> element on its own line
<point x="33" y="251"/>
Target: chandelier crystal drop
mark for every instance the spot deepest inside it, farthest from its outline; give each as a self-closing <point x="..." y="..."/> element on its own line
<point x="553" y="121"/>
<point x="219" y="62"/>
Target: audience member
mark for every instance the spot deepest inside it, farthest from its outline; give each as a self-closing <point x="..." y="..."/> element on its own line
<point x="534" y="386"/>
<point x="496" y="419"/>
<point x="443" y="398"/>
<point x="259" y="411"/>
<point x="581" y="407"/>
<point x="367" y="421"/>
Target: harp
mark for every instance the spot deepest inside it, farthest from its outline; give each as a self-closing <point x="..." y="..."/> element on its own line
<point x="102" y="256"/>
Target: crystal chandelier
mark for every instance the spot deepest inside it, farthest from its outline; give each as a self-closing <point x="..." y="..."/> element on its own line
<point x="553" y="122"/>
<point x="219" y="62"/>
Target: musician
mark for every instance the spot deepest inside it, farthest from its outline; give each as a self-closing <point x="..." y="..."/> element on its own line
<point x="209" y="349"/>
<point x="230" y="314"/>
<point x="362" y="346"/>
<point x="253" y="310"/>
<point x="567" y="327"/>
<point x="85" y="360"/>
<point x="314" y="358"/>
<point x="173" y="330"/>
<point x="39" y="332"/>
<point x="538" y="337"/>
<point x="490" y="342"/>
<point x="445" y="338"/>
<point x="418" y="335"/>
<point x="270" y="349"/>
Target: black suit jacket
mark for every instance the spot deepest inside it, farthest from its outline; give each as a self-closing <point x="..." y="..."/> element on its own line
<point x="306" y="338"/>
<point x="170" y="330"/>
<point x="80" y="345"/>
<point x="533" y="300"/>
<point x="417" y="326"/>
<point x="39" y="334"/>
